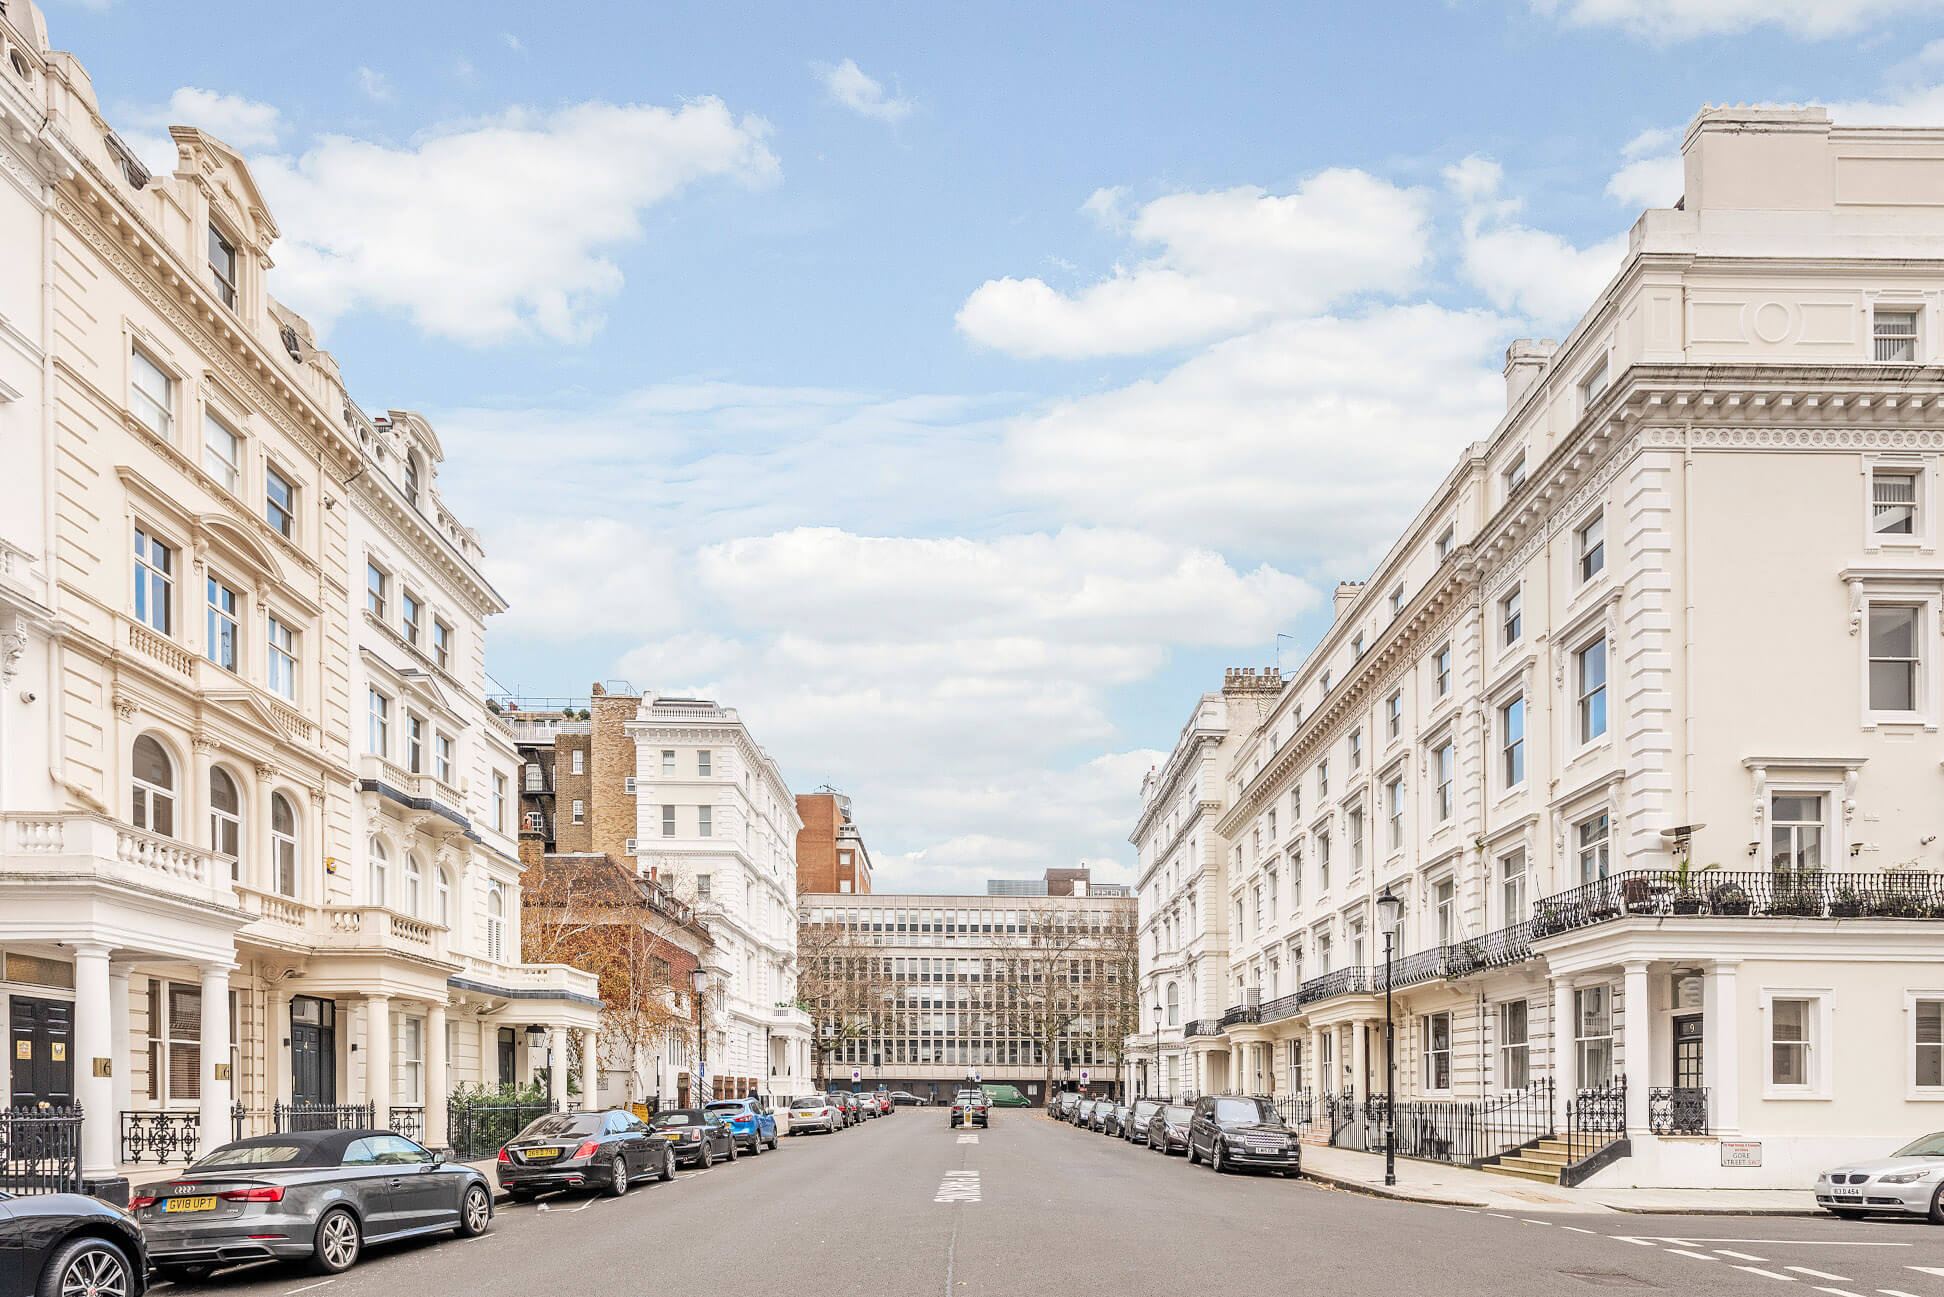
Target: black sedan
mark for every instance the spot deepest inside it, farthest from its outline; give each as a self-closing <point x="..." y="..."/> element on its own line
<point x="695" y="1136"/>
<point x="321" y="1196"/>
<point x="1135" y="1128"/>
<point x="571" y="1150"/>
<point x="971" y="1108"/>
<point x="1167" y="1129"/>
<point x="1231" y="1131"/>
<point x="64" y="1243"/>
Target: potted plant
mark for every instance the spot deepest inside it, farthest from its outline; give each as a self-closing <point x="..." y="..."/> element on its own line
<point x="1847" y="903"/>
<point x="1686" y="899"/>
<point x="1637" y="894"/>
<point x="1798" y="892"/>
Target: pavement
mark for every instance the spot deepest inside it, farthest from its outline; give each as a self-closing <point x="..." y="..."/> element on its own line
<point x="906" y="1206"/>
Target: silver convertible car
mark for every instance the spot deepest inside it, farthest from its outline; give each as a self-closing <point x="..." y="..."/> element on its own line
<point x="1908" y="1182"/>
<point x="320" y="1196"/>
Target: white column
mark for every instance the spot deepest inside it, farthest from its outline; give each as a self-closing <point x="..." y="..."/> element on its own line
<point x="1560" y="1042"/>
<point x="557" y="1066"/>
<point x="377" y="1051"/>
<point x="1314" y="1062"/>
<point x="100" y="1124"/>
<point x="1359" y="1060"/>
<point x="118" y="1042"/>
<point x="590" y="1050"/>
<point x="276" y="1046"/>
<point x="1721" y="1045"/>
<point x="1638" y="1035"/>
<point x="215" y="1055"/>
<point x="437" y="1086"/>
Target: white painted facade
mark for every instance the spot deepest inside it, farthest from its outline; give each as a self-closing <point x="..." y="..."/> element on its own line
<point x="716" y="822"/>
<point x="1691" y="579"/>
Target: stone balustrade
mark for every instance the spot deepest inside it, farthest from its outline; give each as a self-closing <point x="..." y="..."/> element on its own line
<point x="86" y="844"/>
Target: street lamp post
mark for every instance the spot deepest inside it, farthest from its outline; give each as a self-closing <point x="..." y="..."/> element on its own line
<point x="699" y="983"/>
<point x="1389" y="908"/>
<point x="1157" y="1049"/>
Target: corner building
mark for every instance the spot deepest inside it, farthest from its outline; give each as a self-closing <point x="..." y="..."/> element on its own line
<point x="1639" y="717"/>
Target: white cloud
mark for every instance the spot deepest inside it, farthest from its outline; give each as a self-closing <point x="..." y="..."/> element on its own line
<point x="238" y="122"/>
<point x="1685" y="19"/>
<point x="373" y="83"/>
<point x="847" y="84"/>
<point x="1652" y="176"/>
<point x="1533" y="273"/>
<point x="511" y="42"/>
<point x="498" y="229"/>
<point x="631" y="590"/>
<point x="1224" y="262"/>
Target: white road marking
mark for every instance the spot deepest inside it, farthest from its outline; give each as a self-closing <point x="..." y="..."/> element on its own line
<point x="1839" y="1292"/>
<point x="958" y="1186"/>
<point x="1818" y="1274"/>
<point x="1887" y="1292"/>
<point x="968" y="1139"/>
<point x="289" y="1292"/>
<point x="584" y="1206"/>
<point x="1577" y="1230"/>
<point x="1924" y="1269"/>
<point x="1778" y="1242"/>
<point x="1469" y="1211"/>
<point x="1698" y="1256"/>
<point x="1628" y="1238"/>
<point x="1740" y="1256"/>
<point x="1524" y="1221"/>
<point x="1767" y="1274"/>
<point x="1501" y="1215"/>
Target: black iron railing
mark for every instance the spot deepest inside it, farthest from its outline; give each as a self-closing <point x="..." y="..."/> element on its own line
<point x="477" y="1128"/>
<point x="407" y="1120"/>
<point x="1503" y="948"/>
<point x="1779" y="893"/>
<point x="1678" y="1110"/>
<point x="1354" y="1123"/>
<point x="160" y="1137"/>
<point x="40" y="1150"/>
<point x="245" y="1122"/>
<point x="1462" y="1132"/>
<point x="1297" y="1109"/>
<point x="322" y="1116"/>
<point x="1242" y="1013"/>
<point x="1283" y="1006"/>
<point x="1344" y="981"/>
<point x="1203" y="1027"/>
<point x="1418" y="966"/>
<point x="1596" y="1129"/>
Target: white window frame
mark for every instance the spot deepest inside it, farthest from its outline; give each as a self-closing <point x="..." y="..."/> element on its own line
<point x="219" y="617"/>
<point x="1598" y="850"/>
<point x="411" y="616"/>
<point x="1589" y="550"/>
<point x="1444" y="777"/>
<point x="668" y="763"/>
<point x="1446" y="542"/>
<point x="1584" y="736"/>
<point x="377" y="592"/>
<point x="1820" y="1067"/>
<point x="1583" y="1042"/>
<point x="378" y="717"/>
<point x="1913" y="1090"/>
<point x="1397" y="600"/>
<point x="704" y="763"/>
<point x="705" y="821"/>
<point x="227" y="468"/>
<point x="1394" y="716"/>
<point x="1511" y="750"/>
<point x="578" y="813"/>
<point x="1511" y="618"/>
<point x="1508" y="885"/>
<point x="1394" y="811"/>
<point x="1509" y="1049"/>
<point x="441" y="644"/>
<point x="1354" y="747"/>
<point x="1920" y="533"/>
<point x="578" y="761"/>
<point x="152" y="578"/>
<point x="1441" y="664"/>
<point x="1915" y="311"/>
<point x="272" y="507"/>
<point x="1924" y="689"/>
<point x="280" y="656"/>
<point x="1434" y="1055"/>
<point x="1513" y="475"/>
<point x="157" y="414"/>
<point x="284" y="849"/>
<point x="228" y="290"/>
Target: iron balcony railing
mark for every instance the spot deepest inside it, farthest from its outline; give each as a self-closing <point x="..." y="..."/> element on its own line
<point x="295" y="1117"/>
<point x="40" y="1150"/>
<point x="1678" y="1110"/>
<point x="1344" y="981"/>
<point x="1780" y="893"/>
<point x="1242" y="1013"/>
<point x="1461" y="1132"/>
<point x="1596" y="1130"/>
<point x="1283" y="1006"/>
<point x="160" y="1137"/>
<point x="1203" y="1027"/>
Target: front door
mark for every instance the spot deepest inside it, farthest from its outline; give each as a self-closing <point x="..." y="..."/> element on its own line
<point x="43" y="1072"/>
<point x="1687" y="1051"/>
<point x="313" y="1050"/>
<point x="507" y="1056"/>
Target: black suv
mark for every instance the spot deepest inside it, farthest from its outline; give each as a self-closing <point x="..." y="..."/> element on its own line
<point x="1232" y="1130"/>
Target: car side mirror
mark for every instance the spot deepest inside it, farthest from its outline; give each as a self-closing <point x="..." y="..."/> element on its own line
<point x="438" y="1158"/>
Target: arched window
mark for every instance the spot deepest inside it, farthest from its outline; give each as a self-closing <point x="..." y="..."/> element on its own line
<point x="496" y="925"/>
<point x="414" y="886"/>
<point x="1174" y="1004"/>
<point x="412" y="477"/>
<point x="442" y="899"/>
<point x="283" y="845"/>
<point x="225" y="818"/>
<point x="154" y="787"/>
<point x="380" y="866"/>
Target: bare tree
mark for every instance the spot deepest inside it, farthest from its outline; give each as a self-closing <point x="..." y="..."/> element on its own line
<point x="1050" y="979"/>
<point x="844" y="983"/>
<point x="1114" y="1009"/>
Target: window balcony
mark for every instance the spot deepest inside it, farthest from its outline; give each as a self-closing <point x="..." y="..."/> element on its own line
<point x="88" y="847"/>
<point x="556" y="979"/>
<point x="1343" y="981"/>
<point x="1780" y="893"/>
<point x="380" y="930"/>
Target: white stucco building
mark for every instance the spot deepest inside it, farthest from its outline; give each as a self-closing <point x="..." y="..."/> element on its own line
<point x="1680" y="610"/>
<point x="716" y="822"/>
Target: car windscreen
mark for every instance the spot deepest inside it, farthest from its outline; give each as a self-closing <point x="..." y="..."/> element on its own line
<point x="254" y="1155"/>
<point x="1928" y="1146"/>
<point x="1145" y="1109"/>
<point x="1176" y="1113"/>
<point x="675" y="1119"/>
<point x="564" y="1125"/>
<point x="810" y="1101"/>
<point x="731" y="1108"/>
<point x="1245" y="1110"/>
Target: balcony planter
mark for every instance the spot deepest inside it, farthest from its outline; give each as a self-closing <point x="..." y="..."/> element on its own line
<point x="1638" y="895"/>
<point x="1894" y="905"/>
<point x="1729" y="899"/>
<point x="1798" y="893"/>
<point x="1846" y="904"/>
<point x="1687" y="903"/>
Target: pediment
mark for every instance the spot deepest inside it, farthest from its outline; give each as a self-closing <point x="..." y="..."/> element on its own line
<point x="231" y="186"/>
<point x="223" y="532"/>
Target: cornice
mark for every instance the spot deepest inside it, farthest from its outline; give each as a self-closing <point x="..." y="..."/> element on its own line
<point x="393" y="517"/>
<point x="1171" y="774"/>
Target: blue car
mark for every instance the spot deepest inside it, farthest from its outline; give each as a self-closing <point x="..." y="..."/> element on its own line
<point x="751" y="1120"/>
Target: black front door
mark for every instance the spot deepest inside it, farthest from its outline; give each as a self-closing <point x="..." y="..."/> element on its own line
<point x="313" y="1050"/>
<point x="43" y="1033"/>
<point x="1687" y="1050"/>
<point x="507" y="1056"/>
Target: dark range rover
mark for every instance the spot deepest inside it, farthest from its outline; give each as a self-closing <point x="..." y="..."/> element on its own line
<point x="1232" y="1131"/>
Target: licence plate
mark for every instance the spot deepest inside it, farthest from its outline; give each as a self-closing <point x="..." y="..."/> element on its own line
<point x="541" y="1154"/>
<point x="190" y="1204"/>
<point x="670" y="1134"/>
<point x="803" y="1114"/>
<point x="1849" y="1193"/>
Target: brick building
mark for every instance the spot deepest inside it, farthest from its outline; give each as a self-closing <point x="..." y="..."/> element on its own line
<point x="831" y="856"/>
<point x="577" y="775"/>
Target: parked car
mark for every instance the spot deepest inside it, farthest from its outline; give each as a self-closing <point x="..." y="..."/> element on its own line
<point x="860" y="1105"/>
<point x="571" y="1150"/>
<point x="883" y="1097"/>
<point x="1115" y="1122"/>
<point x="696" y="1135"/>
<point x="1103" y="1113"/>
<point x="1168" y="1128"/>
<point x="1133" y="1127"/>
<point x="1232" y="1130"/>
<point x="1083" y="1111"/>
<point x="971" y="1108"/>
<point x="1064" y="1105"/>
<point x="1909" y="1182"/>
<point x="1006" y="1096"/>
<point x="751" y="1119"/>
<point x="906" y="1099"/>
<point x="813" y="1112"/>
<point x="848" y="1105"/>
<point x="322" y="1195"/>
<point x="68" y="1243"/>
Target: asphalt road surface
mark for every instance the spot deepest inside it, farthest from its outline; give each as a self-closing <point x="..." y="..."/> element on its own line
<point x="904" y="1207"/>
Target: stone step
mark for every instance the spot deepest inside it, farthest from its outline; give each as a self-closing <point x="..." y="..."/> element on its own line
<point x="1543" y="1172"/>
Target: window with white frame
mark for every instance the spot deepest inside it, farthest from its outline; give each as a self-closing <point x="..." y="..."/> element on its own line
<point x="280" y="657"/>
<point x="283" y="845"/>
<point x="442" y="758"/>
<point x="1513" y="476"/>
<point x="703" y="883"/>
<point x="1590" y="685"/>
<point x="1257" y="897"/>
<point x="1927" y="1043"/>
<point x="1792" y="1023"/>
<point x="1894" y="502"/>
<point x="279" y="502"/>
<point x="413" y="1057"/>
<point x="704" y="821"/>
<point x="1589" y="547"/>
<point x="1593" y="1036"/>
<point x="579" y="761"/>
<point x="378" y="723"/>
<point x="221" y="608"/>
<point x="153" y="785"/>
<point x="411" y="614"/>
<point x="377" y="590"/>
<point x="1323" y="685"/>
<point x="496" y="924"/>
<point x="1512" y="742"/>
<point x="1591" y="846"/>
<point x="1594" y="383"/>
<point x="579" y="813"/>
<point x="1394" y="715"/>
<point x="1512" y="887"/>
<point x="1441" y="671"/>
<point x="414" y="886"/>
<point x="1514" y="1053"/>
<point x="414" y="743"/>
<point x="1512" y="617"/>
<point x="1394" y="811"/>
<point x="151" y="394"/>
<point x="1397" y="599"/>
<point x="499" y="800"/>
<point x="535" y="777"/>
<point x="155" y="565"/>
<point x="668" y="821"/>
<point x="225" y="817"/>
<point x="668" y="764"/>
<point x="1444" y="762"/>
<point x="1446" y="539"/>
<point x="1896" y="658"/>
<point x="1796" y="831"/>
<point x="1323" y="862"/>
<point x="1437" y="1051"/>
<point x="1322" y="779"/>
<point x="222" y="453"/>
<point x="1354" y="828"/>
<point x="704" y="763"/>
<point x="1894" y="333"/>
<point x="174" y="1041"/>
<point x="1356" y="646"/>
<point x="1295" y="804"/>
<point x="1444" y="909"/>
<point x="1356" y="750"/>
<point x="442" y="644"/>
<point x="377" y="875"/>
<point x="222" y="266"/>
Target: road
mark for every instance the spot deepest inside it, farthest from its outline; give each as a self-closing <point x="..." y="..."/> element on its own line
<point x="904" y="1207"/>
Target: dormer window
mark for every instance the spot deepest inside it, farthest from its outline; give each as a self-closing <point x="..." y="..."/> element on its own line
<point x="222" y="266"/>
<point x="412" y="478"/>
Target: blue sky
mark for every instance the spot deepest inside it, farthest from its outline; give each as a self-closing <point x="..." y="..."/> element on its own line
<point x="955" y="390"/>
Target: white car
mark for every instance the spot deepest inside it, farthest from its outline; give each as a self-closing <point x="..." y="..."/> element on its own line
<point x="1909" y="1182"/>
<point x="813" y="1112"/>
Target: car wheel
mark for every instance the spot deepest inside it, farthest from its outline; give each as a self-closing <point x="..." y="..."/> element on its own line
<point x="708" y="1157"/>
<point x="1217" y="1161"/>
<point x="617" y="1176"/>
<point x="338" y="1243"/>
<point x="772" y="1143"/>
<point x="1193" y="1158"/>
<point x="475" y="1212"/>
<point x="88" y="1265"/>
<point x="732" y="1149"/>
<point x="756" y="1146"/>
<point x="668" y="1166"/>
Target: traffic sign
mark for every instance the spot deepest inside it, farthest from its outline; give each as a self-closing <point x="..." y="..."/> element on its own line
<point x="1083" y="1076"/>
<point x="856" y="1075"/>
